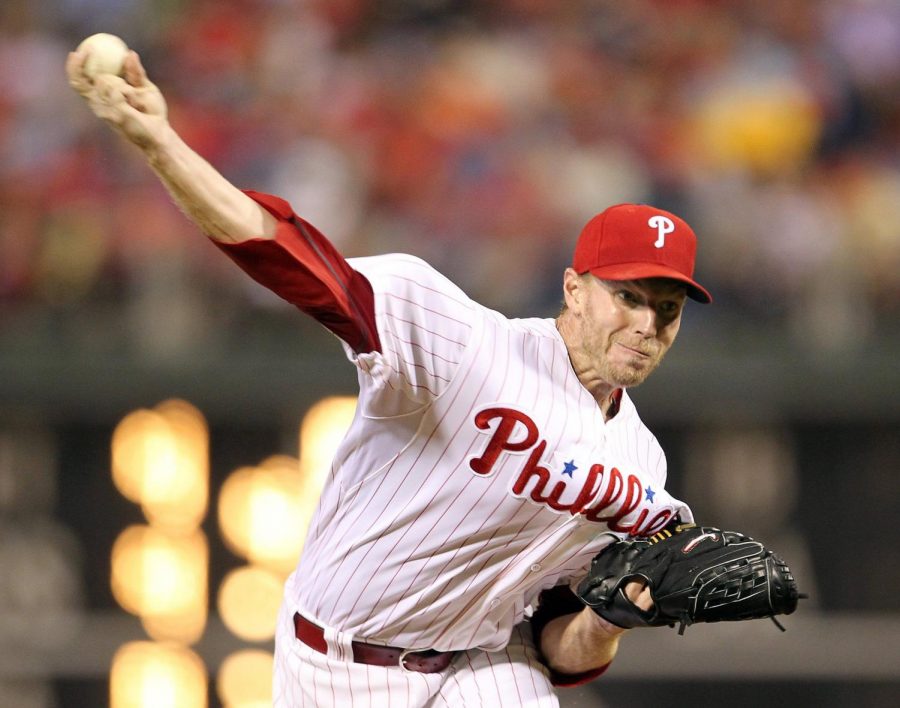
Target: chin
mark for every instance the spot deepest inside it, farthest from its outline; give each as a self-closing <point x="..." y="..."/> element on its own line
<point x="629" y="376"/>
<point x="630" y="381"/>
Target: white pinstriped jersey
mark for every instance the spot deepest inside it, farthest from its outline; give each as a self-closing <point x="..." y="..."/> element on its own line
<point x="477" y="472"/>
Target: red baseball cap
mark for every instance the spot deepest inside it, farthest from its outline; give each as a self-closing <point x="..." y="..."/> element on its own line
<point x="633" y="241"/>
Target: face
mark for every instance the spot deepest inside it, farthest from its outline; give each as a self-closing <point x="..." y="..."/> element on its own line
<point x="621" y="330"/>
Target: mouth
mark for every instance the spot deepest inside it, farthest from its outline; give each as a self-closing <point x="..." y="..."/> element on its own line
<point x="635" y="352"/>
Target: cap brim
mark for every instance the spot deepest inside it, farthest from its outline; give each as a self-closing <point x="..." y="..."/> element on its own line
<point x="638" y="271"/>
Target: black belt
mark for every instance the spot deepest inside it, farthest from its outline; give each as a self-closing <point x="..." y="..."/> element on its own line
<point x="427" y="661"/>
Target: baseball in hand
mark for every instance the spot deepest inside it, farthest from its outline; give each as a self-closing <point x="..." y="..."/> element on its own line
<point x="107" y="54"/>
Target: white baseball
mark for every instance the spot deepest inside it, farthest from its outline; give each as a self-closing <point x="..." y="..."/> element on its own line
<point x="107" y="54"/>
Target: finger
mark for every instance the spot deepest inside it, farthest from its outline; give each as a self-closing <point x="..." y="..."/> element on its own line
<point x="136" y="99"/>
<point x="633" y="589"/>
<point x="645" y="599"/>
<point x="134" y="71"/>
<point x="78" y="80"/>
<point x="76" y="59"/>
<point x="121" y="94"/>
<point x="109" y="99"/>
<point x="110" y="88"/>
<point x="639" y="593"/>
<point x="113" y="105"/>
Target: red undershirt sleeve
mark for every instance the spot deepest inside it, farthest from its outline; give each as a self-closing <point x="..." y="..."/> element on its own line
<point x="554" y="603"/>
<point x="301" y="266"/>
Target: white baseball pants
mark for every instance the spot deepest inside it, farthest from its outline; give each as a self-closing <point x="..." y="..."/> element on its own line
<point x="513" y="677"/>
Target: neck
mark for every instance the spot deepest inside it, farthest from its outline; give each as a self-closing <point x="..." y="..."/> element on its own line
<point x="604" y="393"/>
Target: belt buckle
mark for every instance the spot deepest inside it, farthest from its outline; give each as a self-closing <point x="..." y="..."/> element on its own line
<point x="402" y="660"/>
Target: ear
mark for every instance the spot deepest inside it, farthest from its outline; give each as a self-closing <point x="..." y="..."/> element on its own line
<point x="573" y="289"/>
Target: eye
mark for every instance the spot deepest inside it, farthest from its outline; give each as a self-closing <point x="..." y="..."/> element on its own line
<point x="669" y="309"/>
<point x="628" y="296"/>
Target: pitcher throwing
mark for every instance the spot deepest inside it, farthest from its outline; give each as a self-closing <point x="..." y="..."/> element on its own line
<point x="451" y="560"/>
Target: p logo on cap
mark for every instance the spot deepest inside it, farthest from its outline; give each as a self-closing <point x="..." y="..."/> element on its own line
<point x="664" y="225"/>
<point x="634" y="241"/>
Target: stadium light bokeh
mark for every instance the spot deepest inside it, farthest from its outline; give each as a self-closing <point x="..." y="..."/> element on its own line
<point x="160" y="570"/>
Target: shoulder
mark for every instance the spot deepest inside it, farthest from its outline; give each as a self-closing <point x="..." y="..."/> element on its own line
<point x="397" y="273"/>
<point x="539" y="327"/>
<point x="415" y="304"/>
<point x="397" y="265"/>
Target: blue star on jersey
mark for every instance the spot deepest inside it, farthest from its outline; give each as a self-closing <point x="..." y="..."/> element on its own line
<point x="569" y="467"/>
<point x="650" y="494"/>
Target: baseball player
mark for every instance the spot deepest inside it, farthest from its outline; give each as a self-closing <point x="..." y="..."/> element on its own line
<point x="489" y="460"/>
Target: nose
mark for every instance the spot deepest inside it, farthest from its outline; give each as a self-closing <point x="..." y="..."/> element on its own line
<point x="646" y="321"/>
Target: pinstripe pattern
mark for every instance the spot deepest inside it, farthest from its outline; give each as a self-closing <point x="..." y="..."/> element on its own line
<point x="510" y="678"/>
<point x="425" y="539"/>
<point x="409" y="546"/>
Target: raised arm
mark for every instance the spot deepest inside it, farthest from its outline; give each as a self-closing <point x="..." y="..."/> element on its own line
<point x="260" y="233"/>
<point x="135" y="108"/>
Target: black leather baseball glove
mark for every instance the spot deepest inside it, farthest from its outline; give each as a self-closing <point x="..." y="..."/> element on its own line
<point x="695" y="574"/>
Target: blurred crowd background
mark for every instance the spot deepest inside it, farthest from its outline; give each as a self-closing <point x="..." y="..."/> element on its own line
<point x="480" y="135"/>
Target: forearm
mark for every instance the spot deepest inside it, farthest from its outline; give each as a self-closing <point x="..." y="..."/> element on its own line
<point x="266" y="239"/>
<point x="135" y="108"/>
<point x="579" y="642"/>
<point x="218" y="208"/>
